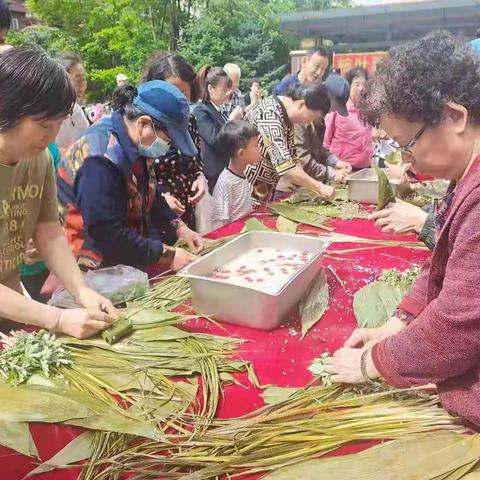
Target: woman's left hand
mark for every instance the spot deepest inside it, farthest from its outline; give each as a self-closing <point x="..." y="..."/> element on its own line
<point x="193" y="239"/>
<point x="94" y="302"/>
<point x="345" y="366"/>
<point x="199" y="189"/>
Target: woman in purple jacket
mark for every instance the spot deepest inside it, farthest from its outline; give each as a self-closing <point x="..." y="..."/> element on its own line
<point x="426" y="96"/>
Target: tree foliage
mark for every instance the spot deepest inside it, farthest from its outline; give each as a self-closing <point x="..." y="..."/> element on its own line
<point x="116" y="36"/>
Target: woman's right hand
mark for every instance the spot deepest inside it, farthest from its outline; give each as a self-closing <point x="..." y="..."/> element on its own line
<point x="341" y="176"/>
<point x="182" y="259"/>
<point x="80" y="323"/>
<point x="325" y="191"/>
<point x="174" y="204"/>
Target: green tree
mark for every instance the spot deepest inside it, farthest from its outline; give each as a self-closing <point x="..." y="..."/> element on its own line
<point x="245" y="32"/>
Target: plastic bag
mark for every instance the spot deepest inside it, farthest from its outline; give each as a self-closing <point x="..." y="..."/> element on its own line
<point x="119" y="284"/>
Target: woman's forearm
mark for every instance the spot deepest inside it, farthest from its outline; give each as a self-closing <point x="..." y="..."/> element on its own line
<point x="16" y="307"/>
<point x="299" y="178"/>
<point x="53" y="247"/>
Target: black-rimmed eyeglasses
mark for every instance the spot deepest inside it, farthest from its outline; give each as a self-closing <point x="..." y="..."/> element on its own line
<point x="408" y="147"/>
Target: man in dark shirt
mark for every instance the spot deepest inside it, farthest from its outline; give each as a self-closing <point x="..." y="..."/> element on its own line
<point x="314" y="66"/>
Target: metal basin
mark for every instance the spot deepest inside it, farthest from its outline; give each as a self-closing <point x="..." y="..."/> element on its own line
<point x="252" y="306"/>
<point x="363" y="186"/>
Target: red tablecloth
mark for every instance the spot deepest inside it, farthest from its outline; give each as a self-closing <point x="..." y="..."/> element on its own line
<point x="279" y="356"/>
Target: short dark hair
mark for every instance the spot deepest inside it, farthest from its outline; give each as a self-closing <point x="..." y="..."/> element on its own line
<point x="356" y="72"/>
<point x="32" y="84"/>
<point x="255" y="80"/>
<point x="315" y="95"/>
<point x="70" y="60"/>
<point x="209" y="75"/>
<point x="5" y="15"/>
<point x="417" y="79"/>
<point x="235" y="135"/>
<point x="165" y="65"/>
<point x="318" y="51"/>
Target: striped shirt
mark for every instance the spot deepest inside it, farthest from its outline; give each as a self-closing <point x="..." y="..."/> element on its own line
<point x="231" y="198"/>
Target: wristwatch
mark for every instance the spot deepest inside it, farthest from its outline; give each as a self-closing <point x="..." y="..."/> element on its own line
<point x="177" y="223"/>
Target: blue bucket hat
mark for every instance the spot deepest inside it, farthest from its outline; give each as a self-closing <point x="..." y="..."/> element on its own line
<point x="167" y="105"/>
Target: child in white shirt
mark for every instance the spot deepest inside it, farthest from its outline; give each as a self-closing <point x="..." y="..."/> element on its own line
<point x="232" y="193"/>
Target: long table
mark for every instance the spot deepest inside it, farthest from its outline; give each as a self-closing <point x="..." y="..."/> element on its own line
<point x="279" y="357"/>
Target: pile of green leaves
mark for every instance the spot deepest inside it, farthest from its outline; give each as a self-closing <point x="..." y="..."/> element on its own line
<point x="375" y="303"/>
<point x="308" y="209"/>
<point x="405" y="279"/>
<point x="25" y="354"/>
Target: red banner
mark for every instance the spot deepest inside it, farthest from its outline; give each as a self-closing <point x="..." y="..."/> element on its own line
<point x="346" y="61"/>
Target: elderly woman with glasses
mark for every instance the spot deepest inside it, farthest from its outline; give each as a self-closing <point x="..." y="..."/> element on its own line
<point x="426" y="96"/>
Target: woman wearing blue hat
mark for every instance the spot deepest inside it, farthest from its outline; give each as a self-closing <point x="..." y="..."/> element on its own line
<point x="114" y="212"/>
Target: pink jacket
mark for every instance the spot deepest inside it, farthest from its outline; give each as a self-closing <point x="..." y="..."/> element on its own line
<point x="442" y="344"/>
<point x="348" y="139"/>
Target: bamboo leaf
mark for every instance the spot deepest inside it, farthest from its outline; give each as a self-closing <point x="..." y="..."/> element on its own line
<point x="285" y="225"/>
<point x="375" y="303"/>
<point x="385" y="190"/>
<point x="314" y="304"/>
<point x="255" y="225"/>
<point x="148" y="316"/>
<point x="17" y="436"/>
<point x="80" y="448"/>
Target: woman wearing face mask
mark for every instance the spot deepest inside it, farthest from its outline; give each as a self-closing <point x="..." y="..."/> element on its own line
<point x="215" y="87"/>
<point x="115" y="213"/>
<point x="347" y="137"/>
<point x="76" y="123"/>
<point x="426" y="96"/>
<point x="274" y="117"/>
<point x="36" y="97"/>
<point x="181" y="176"/>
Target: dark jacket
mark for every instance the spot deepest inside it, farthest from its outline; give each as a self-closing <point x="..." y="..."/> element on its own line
<point x="316" y="160"/>
<point x="114" y="212"/>
<point x="209" y="123"/>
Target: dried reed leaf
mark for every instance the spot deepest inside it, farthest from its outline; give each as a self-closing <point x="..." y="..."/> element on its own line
<point x="17" y="436"/>
<point x="423" y="457"/>
<point x="273" y="395"/>
<point x="80" y="448"/>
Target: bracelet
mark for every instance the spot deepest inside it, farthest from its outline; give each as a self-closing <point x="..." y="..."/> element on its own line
<point x="363" y="366"/>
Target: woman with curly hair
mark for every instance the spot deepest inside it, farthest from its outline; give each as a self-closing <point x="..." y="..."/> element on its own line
<point x="426" y="96"/>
